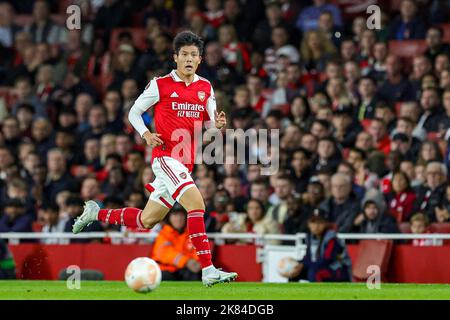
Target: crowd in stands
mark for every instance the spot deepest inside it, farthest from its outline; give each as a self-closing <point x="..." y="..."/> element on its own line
<point x="364" y="123"/>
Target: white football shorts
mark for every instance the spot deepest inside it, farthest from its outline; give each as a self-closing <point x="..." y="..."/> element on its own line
<point x="172" y="179"/>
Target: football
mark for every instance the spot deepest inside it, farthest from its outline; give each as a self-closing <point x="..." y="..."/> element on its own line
<point x="286" y="265"/>
<point x="143" y="275"/>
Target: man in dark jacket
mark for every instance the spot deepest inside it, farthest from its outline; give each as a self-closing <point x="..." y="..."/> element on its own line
<point x="14" y="218"/>
<point x="374" y="220"/>
<point x="408" y="25"/>
<point x="433" y="194"/>
<point x="341" y="208"/>
<point x="326" y="257"/>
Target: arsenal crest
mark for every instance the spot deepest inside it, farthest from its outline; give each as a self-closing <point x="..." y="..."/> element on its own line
<point x="183" y="174"/>
<point x="201" y="95"/>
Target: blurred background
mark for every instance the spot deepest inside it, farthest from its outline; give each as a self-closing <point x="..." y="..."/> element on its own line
<point x="363" y="117"/>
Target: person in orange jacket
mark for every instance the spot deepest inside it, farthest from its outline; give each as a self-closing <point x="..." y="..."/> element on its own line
<point x="174" y="251"/>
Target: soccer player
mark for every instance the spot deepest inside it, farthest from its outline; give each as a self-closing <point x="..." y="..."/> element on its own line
<point x="180" y="100"/>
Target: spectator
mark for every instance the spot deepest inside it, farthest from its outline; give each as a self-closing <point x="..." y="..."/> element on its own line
<point x="401" y="200"/>
<point x="401" y="143"/>
<point x="14" y="218"/>
<point x="316" y="50"/>
<point x="52" y="223"/>
<point x="8" y="28"/>
<point x="341" y="208"/>
<point x="374" y="220"/>
<point x="280" y="46"/>
<point x="41" y="133"/>
<point x="378" y="64"/>
<point x="24" y="92"/>
<point x="284" y="189"/>
<point x="419" y="225"/>
<point x="378" y="131"/>
<point x="433" y="193"/>
<point x="309" y="18"/>
<point x="300" y="210"/>
<point x="11" y="133"/>
<point x="326" y="257"/>
<point x="344" y="127"/>
<point x="222" y="206"/>
<point x="274" y="17"/>
<point x="254" y="221"/>
<point x="432" y="114"/>
<point x="429" y="151"/>
<point x="173" y="251"/>
<point x="234" y="52"/>
<point x="327" y="155"/>
<point x="58" y="178"/>
<point x="395" y="87"/>
<point x="327" y="26"/>
<point x="43" y="29"/>
<point x="408" y="25"/>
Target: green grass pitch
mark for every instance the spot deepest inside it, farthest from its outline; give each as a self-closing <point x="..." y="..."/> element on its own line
<point x="113" y="290"/>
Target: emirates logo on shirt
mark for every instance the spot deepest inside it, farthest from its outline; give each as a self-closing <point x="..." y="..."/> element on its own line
<point x="201" y="95"/>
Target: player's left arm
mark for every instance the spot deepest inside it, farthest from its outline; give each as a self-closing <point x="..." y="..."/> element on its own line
<point x="216" y="120"/>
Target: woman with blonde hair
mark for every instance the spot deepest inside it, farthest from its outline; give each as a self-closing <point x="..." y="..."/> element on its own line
<point x="316" y="49"/>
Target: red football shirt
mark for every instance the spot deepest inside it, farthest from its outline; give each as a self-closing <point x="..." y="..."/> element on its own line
<point x="180" y="109"/>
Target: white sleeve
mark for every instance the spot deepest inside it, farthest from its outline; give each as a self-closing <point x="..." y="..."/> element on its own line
<point x="211" y="109"/>
<point x="148" y="98"/>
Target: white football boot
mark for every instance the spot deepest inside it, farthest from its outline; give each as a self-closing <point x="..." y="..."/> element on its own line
<point x="212" y="276"/>
<point x="89" y="215"/>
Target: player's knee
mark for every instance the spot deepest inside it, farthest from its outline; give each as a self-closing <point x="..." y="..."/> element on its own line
<point x="196" y="205"/>
<point x="149" y="221"/>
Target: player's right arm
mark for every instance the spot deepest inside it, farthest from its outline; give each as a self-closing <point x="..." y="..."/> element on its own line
<point x="148" y="98"/>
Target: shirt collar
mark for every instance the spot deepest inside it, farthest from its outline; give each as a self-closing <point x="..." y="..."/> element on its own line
<point x="178" y="79"/>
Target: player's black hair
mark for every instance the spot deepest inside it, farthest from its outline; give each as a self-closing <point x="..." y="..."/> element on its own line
<point x="187" y="38"/>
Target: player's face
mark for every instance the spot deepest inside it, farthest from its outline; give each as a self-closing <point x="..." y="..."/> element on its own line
<point x="187" y="60"/>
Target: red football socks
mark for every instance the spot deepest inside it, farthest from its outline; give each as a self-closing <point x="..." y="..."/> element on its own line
<point x="130" y="217"/>
<point x="197" y="234"/>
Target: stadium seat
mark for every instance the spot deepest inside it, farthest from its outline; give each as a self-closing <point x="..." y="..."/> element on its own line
<point x="139" y="38"/>
<point x="446" y="28"/>
<point x="407" y="48"/>
<point x="372" y="252"/>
